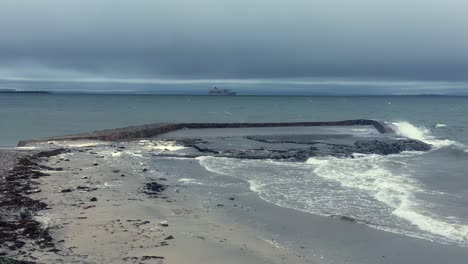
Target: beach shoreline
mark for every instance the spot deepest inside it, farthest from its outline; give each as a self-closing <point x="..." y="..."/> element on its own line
<point x="101" y="208"/>
<point x="163" y="200"/>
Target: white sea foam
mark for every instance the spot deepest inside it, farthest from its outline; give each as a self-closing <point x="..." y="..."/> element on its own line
<point x="160" y="145"/>
<point x="398" y="191"/>
<point x="438" y="125"/>
<point x="364" y="188"/>
<point x="77" y="143"/>
<point x="423" y="134"/>
<point x="189" y="181"/>
<point x="44" y="219"/>
<point x="28" y="147"/>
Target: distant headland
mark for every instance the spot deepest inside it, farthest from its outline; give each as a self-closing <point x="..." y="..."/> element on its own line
<point x="23" y="92"/>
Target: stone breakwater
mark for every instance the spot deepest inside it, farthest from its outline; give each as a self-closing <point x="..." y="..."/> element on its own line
<point x="293" y="147"/>
<point x="152" y="130"/>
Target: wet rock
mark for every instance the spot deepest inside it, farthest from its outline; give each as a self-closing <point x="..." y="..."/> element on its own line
<point x="94" y="199"/>
<point x="390" y="147"/>
<point x="66" y="190"/>
<point x="169" y="238"/>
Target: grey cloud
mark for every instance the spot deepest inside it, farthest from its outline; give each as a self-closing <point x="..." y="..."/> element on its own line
<point x="420" y="40"/>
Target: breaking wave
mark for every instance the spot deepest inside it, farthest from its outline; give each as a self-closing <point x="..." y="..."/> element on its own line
<point x="380" y="191"/>
<point x="397" y="190"/>
<point x="421" y="133"/>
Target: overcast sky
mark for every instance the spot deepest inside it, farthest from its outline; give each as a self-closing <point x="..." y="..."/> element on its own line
<point x="105" y="40"/>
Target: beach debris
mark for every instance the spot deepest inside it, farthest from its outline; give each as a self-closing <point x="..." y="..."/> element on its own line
<point x="143" y="258"/>
<point x="141" y="223"/>
<point x="154" y="188"/>
<point x="86" y="188"/>
<point x="36" y="190"/>
<point x="163" y="243"/>
<point x="25" y="213"/>
<point x="163" y="224"/>
<point x="18" y="225"/>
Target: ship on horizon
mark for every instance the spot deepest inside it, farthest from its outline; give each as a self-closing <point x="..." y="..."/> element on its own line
<point x="217" y="91"/>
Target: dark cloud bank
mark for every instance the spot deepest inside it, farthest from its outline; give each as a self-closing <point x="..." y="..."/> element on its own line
<point x="158" y="41"/>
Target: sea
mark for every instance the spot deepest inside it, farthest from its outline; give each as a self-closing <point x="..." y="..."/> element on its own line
<point x="422" y="195"/>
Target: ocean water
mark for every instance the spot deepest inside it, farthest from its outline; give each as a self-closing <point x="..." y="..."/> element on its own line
<point x="423" y="195"/>
<point x="24" y="116"/>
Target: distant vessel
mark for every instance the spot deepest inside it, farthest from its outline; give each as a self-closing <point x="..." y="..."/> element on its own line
<point x="217" y="91"/>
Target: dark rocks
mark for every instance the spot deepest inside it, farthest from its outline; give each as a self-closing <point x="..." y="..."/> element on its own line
<point x="154" y="188"/>
<point x="151" y="257"/>
<point x="51" y="153"/>
<point x="66" y="190"/>
<point x="94" y="199"/>
<point x="390" y="147"/>
<point x="5" y="260"/>
<point x="302" y="147"/>
<point x="169" y="238"/>
<point x="86" y="188"/>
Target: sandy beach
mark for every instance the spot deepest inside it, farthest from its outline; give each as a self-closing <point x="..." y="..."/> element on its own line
<point x="104" y="207"/>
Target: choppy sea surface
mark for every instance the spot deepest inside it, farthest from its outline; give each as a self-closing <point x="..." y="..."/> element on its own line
<point x="418" y="194"/>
